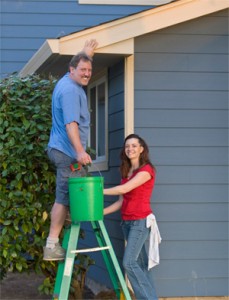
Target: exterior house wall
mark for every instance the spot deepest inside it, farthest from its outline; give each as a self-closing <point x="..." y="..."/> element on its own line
<point x="181" y="109"/>
<point x="181" y="102"/>
<point x="25" y="25"/>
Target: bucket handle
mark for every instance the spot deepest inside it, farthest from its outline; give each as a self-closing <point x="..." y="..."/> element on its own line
<point x="77" y="166"/>
<point x="97" y="169"/>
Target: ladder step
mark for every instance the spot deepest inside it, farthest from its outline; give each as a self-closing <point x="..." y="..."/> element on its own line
<point x="90" y="249"/>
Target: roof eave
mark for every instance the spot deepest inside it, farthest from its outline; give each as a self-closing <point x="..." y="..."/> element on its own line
<point x="50" y="47"/>
<point x="117" y="37"/>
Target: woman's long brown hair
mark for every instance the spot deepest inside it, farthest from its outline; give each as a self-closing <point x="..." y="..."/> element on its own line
<point x="143" y="159"/>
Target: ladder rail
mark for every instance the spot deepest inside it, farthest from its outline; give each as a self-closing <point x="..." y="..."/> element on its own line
<point x="107" y="259"/>
<point x="60" y="269"/>
<point x="68" y="263"/>
<point x="115" y="261"/>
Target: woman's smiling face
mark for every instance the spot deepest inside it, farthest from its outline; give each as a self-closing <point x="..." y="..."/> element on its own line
<point x="133" y="149"/>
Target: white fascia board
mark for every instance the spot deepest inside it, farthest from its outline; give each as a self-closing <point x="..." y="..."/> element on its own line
<point x="72" y="46"/>
<point x="125" y="2"/>
<point x="49" y="47"/>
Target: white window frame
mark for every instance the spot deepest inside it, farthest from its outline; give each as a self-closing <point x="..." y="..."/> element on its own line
<point x="100" y="163"/>
<point x="125" y="2"/>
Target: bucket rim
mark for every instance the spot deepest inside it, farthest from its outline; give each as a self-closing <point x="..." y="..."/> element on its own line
<point x="91" y="178"/>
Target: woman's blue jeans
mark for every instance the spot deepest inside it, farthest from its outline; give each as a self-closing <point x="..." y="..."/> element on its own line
<point x="135" y="260"/>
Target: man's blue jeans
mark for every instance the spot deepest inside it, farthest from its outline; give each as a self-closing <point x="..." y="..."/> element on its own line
<point x="135" y="260"/>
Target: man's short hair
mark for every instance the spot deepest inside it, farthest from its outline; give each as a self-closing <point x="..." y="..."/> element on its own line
<point x="77" y="58"/>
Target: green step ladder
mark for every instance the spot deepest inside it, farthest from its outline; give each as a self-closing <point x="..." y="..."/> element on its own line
<point x="65" y="268"/>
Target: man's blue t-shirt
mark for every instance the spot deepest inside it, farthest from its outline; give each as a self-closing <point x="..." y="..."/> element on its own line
<point x="69" y="104"/>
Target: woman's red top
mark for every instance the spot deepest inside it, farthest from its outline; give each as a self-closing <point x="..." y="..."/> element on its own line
<point x="136" y="203"/>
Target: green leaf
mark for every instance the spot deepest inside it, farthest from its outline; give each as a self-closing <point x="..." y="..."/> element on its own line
<point x="18" y="176"/>
<point x="24" y="228"/>
<point x="21" y="211"/>
<point x="19" y="266"/>
<point x="7" y="222"/>
<point x="4" y="165"/>
<point x="29" y="147"/>
<point x="4" y="173"/>
<point x="4" y="253"/>
<point x="14" y="254"/>
<point x="4" y="230"/>
<point x="4" y="203"/>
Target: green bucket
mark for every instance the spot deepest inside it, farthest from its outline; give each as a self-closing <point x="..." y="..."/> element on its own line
<point x="86" y="198"/>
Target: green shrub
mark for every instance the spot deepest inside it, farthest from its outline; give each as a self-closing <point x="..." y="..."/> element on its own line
<point x="27" y="182"/>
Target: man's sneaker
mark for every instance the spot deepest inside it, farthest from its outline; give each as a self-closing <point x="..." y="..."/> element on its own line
<point x="57" y="253"/>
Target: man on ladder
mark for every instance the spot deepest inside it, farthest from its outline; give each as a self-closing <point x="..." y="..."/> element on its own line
<point x="68" y="139"/>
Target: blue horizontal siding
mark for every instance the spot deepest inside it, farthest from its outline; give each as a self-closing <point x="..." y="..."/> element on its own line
<point x="114" y="120"/>
<point x="69" y="6"/>
<point x="192" y="174"/>
<point x="202" y="232"/>
<point x="176" y="43"/>
<point x="25" y="25"/>
<point x="8" y="43"/>
<point x="182" y="137"/>
<point x="181" y="109"/>
<point x="38" y="31"/>
<point x="192" y="212"/>
<point x="181" y="118"/>
<point x="194" y="268"/>
<point x="75" y="20"/>
<point x="174" y="62"/>
<point x="181" y="103"/>
<point x="214" y="24"/>
<point x="193" y="285"/>
<point x="175" y="81"/>
<point x="189" y="193"/>
<point x="193" y="99"/>
<point x="192" y="156"/>
<point x="180" y="251"/>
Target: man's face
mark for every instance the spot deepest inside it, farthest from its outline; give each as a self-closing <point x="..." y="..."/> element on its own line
<point x="82" y="73"/>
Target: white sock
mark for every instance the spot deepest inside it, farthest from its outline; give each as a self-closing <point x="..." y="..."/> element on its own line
<point x="51" y="242"/>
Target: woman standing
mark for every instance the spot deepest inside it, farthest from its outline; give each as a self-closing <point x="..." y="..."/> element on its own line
<point x="138" y="177"/>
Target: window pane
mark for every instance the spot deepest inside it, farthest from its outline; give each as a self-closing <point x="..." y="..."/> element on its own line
<point x="98" y="109"/>
<point x="101" y="119"/>
<point x="93" y="121"/>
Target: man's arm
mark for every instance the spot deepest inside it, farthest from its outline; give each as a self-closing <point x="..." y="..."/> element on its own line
<point x="73" y="133"/>
<point x="72" y="128"/>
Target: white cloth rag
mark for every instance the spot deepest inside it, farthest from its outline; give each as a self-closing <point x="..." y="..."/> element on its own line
<point x="154" y="241"/>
